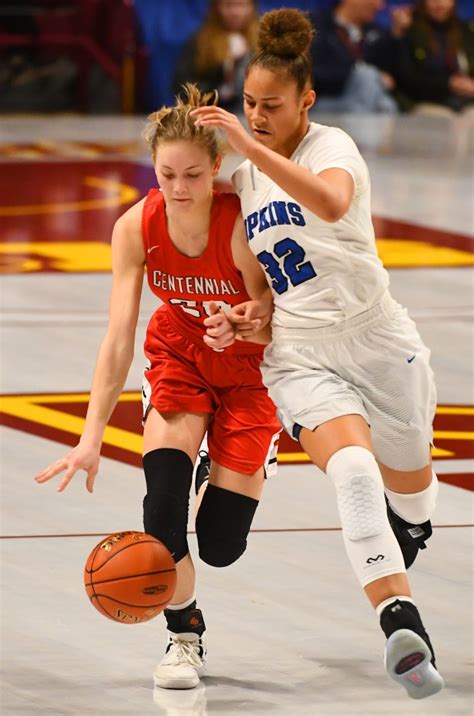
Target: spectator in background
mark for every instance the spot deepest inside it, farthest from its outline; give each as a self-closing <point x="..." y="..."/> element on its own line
<point x="33" y="78"/>
<point x="436" y="58"/>
<point x="216" y="56"/>
<point x="353" y="58"/>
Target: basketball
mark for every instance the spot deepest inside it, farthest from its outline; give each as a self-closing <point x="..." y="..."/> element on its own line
<point x="130" y="577"/>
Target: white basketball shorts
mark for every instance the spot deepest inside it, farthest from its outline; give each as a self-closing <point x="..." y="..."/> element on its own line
<point x="374" y="364"/>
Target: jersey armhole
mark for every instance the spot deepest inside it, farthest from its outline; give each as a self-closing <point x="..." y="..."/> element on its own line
<point x="152" y="205"/>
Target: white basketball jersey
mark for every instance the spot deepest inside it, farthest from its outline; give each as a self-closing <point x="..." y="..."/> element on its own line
<point x="321" y="273"/>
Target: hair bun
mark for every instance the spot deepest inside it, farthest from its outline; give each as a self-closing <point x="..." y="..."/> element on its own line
<point x="285" y="33"/>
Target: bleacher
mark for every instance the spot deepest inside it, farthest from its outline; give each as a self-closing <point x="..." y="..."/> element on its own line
<point x="135" y="43"/>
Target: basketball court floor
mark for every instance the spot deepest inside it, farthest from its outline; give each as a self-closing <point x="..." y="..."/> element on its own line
<point x="290" y="632"/>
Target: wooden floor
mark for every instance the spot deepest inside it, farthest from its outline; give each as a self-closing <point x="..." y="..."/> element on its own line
<point x="290" y="633"/>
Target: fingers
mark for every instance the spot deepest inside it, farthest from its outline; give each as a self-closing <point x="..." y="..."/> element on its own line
<point x="213" y="116"/>
<point x="220" y="330"/>
<point x="213" y="308"/>
<point x="244" y="324"/>
<point x="218" y="327"/>
<point x="216" y="315"/>
<point x="218" y="344"/>
<point x="91" y="475"/>
<point x="210" y="111"/>
<point x="239" y="313"/>
<point x="249" y="330"/>
<point x="51" y="471"/>
<point x="70" y="466"/>
<point x="66" y="479"/>
<point x="244" y="312"/>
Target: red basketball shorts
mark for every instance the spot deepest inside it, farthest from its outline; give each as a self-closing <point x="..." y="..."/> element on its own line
<point x="187" y="376"/>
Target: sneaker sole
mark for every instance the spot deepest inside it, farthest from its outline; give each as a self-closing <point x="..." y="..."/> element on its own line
<point x="175" y="683"/>
<point x="408" y="662"/>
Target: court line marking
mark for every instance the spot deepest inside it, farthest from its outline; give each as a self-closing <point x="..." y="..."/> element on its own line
<point x="192" y="532"/>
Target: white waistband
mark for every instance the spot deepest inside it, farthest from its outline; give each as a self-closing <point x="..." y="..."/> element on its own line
<point x="383" y="310"/>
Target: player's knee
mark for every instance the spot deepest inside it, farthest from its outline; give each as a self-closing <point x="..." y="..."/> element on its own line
<point x="222" y="525"/>
<point x="415" y="507"/>
<point x="360" y="494"/>
<point x="168" y="475"/>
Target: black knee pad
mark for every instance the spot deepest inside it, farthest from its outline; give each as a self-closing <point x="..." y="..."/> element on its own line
<point x="168" y="475"/>
<point x="222" y="525"/>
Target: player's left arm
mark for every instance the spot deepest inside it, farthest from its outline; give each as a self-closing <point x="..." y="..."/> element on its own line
<point x="327" y="194"/>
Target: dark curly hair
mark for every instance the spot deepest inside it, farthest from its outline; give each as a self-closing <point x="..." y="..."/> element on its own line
<point x="283" y="45"/>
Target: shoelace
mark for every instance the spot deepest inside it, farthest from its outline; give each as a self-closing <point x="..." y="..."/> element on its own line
<point x="184" y="651"/>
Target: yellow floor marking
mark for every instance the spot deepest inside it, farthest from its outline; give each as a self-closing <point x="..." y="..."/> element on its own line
<point x="67" y="256"/>
<point x="454" y="410"/>
<point x="74" y="256"/>
<point x="396" y="252"/>
<point x="25" y="407"/>
<point x="453" y="435"/>
<point x="28" y="407"/>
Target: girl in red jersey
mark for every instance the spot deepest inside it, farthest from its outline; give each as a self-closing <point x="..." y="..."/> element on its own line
<point x="193" y="244"/>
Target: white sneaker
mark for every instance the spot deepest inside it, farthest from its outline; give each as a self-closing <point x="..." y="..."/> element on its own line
<point x="408" y="662"/>
<point x="183" y="662"/>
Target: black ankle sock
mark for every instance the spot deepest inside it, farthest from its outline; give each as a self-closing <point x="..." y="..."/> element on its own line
<point x="404" y="615"/>
<point x="189" y="619"/>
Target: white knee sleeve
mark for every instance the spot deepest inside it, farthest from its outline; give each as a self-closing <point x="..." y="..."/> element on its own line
<point x="369" y="540"/>
<point x="416" y="507"/>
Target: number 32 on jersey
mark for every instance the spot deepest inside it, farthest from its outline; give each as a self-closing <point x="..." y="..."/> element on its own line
<point x="291" y="267"/>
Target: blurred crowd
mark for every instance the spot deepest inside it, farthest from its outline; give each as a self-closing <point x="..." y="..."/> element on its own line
<point x="368" y="55"/>
<point x="423" y="55"/>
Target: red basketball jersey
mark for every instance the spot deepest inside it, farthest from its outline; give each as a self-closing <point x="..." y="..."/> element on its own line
<point x="187" y="285"/>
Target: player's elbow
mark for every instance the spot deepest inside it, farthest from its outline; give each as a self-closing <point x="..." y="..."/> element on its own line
<point x="334" y="211"/>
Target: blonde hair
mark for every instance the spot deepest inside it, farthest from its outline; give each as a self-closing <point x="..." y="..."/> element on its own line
<point x="284" y="41"/>
<point x="212" y="42"/>
<point x="170" y="124"/>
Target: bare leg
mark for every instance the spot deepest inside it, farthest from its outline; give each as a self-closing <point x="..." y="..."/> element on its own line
<point x="249" y="485"/>
<point x="407" y="482"/>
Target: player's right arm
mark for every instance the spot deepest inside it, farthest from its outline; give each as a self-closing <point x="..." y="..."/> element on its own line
<point x="115" y="353"/>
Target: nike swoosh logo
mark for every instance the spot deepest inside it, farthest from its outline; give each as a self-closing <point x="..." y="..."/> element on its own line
<point x="410" y="360"/>
<point x="153" y="247"/>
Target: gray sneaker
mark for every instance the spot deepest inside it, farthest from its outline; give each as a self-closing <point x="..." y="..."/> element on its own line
<point x="408" y="662"/>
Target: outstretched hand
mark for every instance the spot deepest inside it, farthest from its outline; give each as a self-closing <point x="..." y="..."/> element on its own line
<point x="214" y="116"/>
<point x="80" y="458"/>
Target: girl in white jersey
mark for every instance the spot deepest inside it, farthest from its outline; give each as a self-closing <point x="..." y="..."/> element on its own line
<point x="346" y="367"/>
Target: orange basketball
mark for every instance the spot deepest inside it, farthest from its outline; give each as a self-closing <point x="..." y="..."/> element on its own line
<point x="130" y="577"/>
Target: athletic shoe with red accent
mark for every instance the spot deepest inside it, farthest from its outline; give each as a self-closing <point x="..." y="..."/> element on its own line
<point x="409" y="656"/>
<point x="407" y="661"/>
